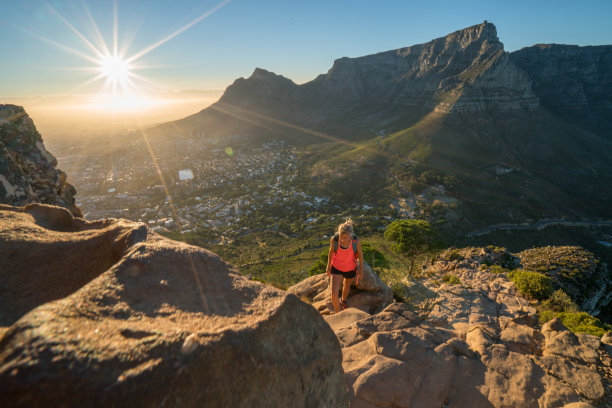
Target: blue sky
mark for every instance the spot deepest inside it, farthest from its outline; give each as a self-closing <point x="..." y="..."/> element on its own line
<point x="297" y="39"/>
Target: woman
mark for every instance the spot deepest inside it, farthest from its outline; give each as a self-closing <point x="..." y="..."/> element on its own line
<point x="344" y="248"/>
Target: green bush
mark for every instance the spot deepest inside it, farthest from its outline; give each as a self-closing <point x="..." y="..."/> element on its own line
<point x="454" y="255"/>
<point x="534" y="285"/>
<point x="398" y="292"/>
<point x="370" y="253"/>
<point x="560" y="301"/>
<point x="497" y="269"/>
<point x="451" y="279"/>
<point x="579" y="322"/>
<point x="320" y="265"/>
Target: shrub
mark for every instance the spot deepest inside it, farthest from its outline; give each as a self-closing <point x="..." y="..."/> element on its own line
<point x="560" y="301"/>
<point x="497" y="269"/>
<point x="398" y="292"/>
<point x="454" y="255"/>
<point x="411" y="238"/>
<point x="451" y="279"/>
<point x="320" y="265"/>
<point x="579" y="322"/>
<point x="507" y="260"/>
<point x="534" y="285"/>
<point x="373" y="256"/>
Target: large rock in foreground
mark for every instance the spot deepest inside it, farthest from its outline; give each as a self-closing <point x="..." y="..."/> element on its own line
<point x="139" y="320"/>
<point x="370" y="294"/>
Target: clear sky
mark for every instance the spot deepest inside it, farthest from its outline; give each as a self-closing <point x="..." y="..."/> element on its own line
<point x="297" y="39"/>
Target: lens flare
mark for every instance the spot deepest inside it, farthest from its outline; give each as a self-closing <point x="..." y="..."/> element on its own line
<point x="115" y="69"/>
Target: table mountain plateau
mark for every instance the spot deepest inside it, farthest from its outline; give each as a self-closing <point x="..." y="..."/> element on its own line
<point x="504" y="126"/>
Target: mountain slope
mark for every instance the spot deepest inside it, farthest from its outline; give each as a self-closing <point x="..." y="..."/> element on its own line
<point x="457" y="111"/>
<point x="573" y="82"/>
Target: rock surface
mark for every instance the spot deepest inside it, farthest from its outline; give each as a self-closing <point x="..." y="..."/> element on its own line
<point x="572" y="81"/>
<point x="370" y="294"/>
<point x="108" y="313"/>
<point x="475" y="344"/>
<point x="28" y="172"/>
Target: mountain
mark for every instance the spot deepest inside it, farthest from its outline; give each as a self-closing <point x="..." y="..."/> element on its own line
<point x="28" y="172"/>
<point x="500" y="135"/>
<point x="573" y="82"/>
<point x="466" y="71"/>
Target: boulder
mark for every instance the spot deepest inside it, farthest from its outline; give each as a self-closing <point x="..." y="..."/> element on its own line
<point x="115" y="315"/>
<point x="370" y="294"/>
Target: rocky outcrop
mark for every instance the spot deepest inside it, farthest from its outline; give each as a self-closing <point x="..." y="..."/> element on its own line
<point x="28" y="171"/>
<point x="369" y="294"/>
<point x="473" y="344"/>
<point x="465" y="71"/>
<point x="574" y="270"/>
<point x="108" y="313"/>
<point x="571" y="81"/>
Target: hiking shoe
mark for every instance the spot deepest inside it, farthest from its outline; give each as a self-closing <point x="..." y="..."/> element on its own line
<point x="343" y="304"/>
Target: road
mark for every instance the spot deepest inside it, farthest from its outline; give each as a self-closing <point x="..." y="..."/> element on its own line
<point x="540" y="225"/>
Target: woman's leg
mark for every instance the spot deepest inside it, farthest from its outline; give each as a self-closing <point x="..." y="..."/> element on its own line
<point x="346" y="288"/>
<point x="336" y="281"/>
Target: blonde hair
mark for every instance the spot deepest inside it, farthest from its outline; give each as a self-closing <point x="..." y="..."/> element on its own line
<point x="346" y="227"/>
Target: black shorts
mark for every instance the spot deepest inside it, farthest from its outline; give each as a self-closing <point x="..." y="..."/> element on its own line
<point x="345" y="275"/>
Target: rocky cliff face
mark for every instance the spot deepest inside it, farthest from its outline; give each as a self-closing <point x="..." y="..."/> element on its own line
<point x="572" y="81"/>
<point x="28" y="171"/>
<point x="467" y="70"/>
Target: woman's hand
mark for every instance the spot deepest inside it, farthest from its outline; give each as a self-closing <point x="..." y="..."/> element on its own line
<point x="328" y="271"/>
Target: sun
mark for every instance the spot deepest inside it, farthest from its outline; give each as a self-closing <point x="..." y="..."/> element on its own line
<point x="115" y="69"/>
<point x="111" y="64"/>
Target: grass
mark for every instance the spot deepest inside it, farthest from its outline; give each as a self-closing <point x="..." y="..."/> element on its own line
<point x="451" y="279"/>
<point x="578" y="322"/>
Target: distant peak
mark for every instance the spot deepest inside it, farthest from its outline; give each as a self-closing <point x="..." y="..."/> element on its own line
<point x="261" y="73"/>
<point x="480" y="32"/>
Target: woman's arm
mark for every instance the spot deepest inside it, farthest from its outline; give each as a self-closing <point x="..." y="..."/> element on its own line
<point x="360" y="255"/>
<point x="330" y="256"/>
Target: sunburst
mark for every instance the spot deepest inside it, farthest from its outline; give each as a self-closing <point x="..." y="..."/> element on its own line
<point x="112" y="66"/>
<point x="116" y="70"/>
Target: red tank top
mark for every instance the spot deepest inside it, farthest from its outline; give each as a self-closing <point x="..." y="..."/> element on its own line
<point x="344" y="259"/>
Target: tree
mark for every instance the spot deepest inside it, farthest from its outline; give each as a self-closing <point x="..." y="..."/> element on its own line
<point x="411" y="238"/>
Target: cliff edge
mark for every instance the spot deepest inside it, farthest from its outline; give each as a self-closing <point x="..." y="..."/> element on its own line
<point x="28" y="172"/>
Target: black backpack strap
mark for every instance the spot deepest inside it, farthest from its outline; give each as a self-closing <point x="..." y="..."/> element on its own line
<point x="336" y="239"/>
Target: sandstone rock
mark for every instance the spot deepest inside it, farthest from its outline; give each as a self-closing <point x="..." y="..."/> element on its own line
<point x="369" y="295"/>
<point x="584" y="379"/>
<point x="152" y="322"/>
<point x="28" y="171"/>
<point x="562" y="342"/>
<point x="477" y="345"/>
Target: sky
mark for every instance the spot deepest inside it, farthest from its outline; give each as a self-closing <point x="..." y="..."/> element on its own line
<point x="48" y="48"/>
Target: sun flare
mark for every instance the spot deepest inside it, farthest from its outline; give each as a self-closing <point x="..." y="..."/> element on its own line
<point x="123" y="89"/>
<point x="115" y="69"/>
